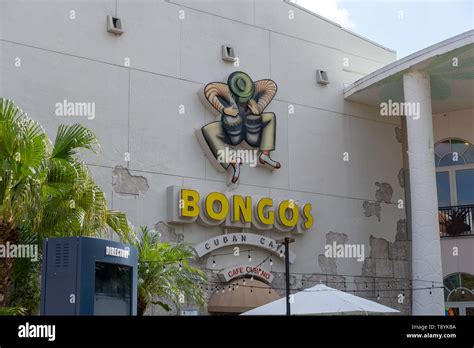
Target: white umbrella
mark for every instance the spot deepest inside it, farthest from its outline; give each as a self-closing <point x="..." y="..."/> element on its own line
<point x="322" y="299"/>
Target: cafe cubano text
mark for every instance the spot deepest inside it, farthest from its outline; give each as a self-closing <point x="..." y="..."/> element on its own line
<point x="233" y="210"/>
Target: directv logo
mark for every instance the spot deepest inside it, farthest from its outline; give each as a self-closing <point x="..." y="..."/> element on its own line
<point x="117" y="252"/>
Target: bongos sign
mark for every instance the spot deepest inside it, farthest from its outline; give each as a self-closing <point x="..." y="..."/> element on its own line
<point x="186" y="205"/>
<point x="240" y="104"/>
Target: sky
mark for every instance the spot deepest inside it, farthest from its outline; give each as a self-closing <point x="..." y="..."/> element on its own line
<point x="404" y="26"/>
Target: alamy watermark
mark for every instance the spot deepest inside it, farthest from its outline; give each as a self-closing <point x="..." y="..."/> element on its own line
<point x="22" y="251"/>
<point x="408" y="109"/>
<point x="82" y="109"/>
<point x="37" y="331"/>
<point x="335" y="250"/>
<point x="241" y="155"/>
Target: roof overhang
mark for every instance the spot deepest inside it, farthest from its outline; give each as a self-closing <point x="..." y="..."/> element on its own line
<point x="450" y="64"/>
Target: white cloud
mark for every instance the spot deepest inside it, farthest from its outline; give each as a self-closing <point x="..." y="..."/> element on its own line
<point x="329" y="9"/>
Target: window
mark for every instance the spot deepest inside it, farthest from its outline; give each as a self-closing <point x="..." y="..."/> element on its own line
<point x="459" y="294"/>
<point x="443" y="188"/>
<point x="465" y="186"/>
<point x="459" y="287"/>
<point x="453" y="152"/>
<point x="454" y="159"/>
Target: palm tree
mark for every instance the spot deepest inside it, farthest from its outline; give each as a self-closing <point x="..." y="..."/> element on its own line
<point x="46" y="188"/>
<point x="164" y="272"/>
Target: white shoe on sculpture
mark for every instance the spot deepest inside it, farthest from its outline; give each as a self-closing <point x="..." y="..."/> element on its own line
<point x="265" y="159"/>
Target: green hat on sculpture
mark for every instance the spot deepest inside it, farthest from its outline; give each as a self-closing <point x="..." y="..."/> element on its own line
<point x="241" y="86"/>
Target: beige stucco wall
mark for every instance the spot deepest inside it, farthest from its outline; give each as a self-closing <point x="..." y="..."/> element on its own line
<point x="457" y="255"/>
<point x="454" y="124"/>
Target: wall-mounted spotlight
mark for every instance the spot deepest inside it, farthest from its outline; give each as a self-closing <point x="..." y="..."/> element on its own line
<point x="114" y="25"/>
<point x="322" y="77"/>
<point x="228" y="53"/>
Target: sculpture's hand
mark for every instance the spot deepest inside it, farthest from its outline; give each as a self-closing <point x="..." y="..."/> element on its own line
<point x="230" y="111"/>
<point x="252" y="104"/>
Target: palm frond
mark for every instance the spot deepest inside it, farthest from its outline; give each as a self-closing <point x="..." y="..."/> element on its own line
<point x="71" y="138"/>
<point x="11" y="311"/>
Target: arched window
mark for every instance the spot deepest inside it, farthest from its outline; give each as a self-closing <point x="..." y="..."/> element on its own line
<point x="459" y="287"/>
<point x="454" y="159"/>
<point x="453" y="152"/>
<point x="459" y="294"/>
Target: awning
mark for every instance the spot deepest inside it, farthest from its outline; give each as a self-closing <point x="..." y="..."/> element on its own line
<point x="323" y="300"/>
<point x="243" y="298"/>
<point x="450" y="64"/>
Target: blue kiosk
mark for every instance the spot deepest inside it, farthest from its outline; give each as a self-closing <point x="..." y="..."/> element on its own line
<point x="88" y="276"/>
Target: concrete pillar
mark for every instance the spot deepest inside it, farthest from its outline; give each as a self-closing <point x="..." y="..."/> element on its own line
<point x="426" y="248"/>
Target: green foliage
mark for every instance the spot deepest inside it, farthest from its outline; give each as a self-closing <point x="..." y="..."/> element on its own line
<point x="26" y="286"/>
<point x="160" y="274"/>
<point x="23" y="150"/>
<point x="26" y="289"/>
<point x="12" y="311"/>
<point x="46" y="187"/>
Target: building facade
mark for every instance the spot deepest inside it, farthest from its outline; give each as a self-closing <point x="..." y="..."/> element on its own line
<point x="437" y="135"/>
<point x="142" y="93"/>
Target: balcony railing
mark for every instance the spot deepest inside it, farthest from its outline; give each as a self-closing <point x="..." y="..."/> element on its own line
<point x="456" y="221"/>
